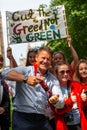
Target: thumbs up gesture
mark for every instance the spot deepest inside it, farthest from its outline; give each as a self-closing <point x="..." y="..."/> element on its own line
<point x="73" y="97"/>
<point x="54" y="99"/>
<point x="83" y="96"/>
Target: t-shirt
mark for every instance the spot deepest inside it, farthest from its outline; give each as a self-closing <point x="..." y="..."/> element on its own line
<point x="72" y="117"/>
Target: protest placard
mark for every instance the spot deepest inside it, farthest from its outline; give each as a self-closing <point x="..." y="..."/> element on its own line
<point x="32" y="25"/>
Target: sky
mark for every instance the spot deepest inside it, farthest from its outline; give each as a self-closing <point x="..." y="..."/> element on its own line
<point x="15" y="5"/>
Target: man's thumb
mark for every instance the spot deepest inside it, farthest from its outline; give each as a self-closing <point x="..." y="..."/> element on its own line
<point x="57" y="95"/>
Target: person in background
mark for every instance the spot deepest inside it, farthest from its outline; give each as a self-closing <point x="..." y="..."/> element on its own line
<point x="31" y="100"/>
<point x="71" y="117"/>
<point x="80" y="79"/>
<point x="29" y="59"/>
<point x="11" y="84"/>
<point x="31" y="55"/>
<point x="11" y="57"/>
<point x="4" y="101"/>
<point x="12" y="89"/>
<point x="60" y="57"/>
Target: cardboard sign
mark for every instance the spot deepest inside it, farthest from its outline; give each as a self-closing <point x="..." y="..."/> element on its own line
<point x="36" y="25"/>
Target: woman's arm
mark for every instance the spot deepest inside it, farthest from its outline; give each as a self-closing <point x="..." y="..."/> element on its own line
<point x="73" y="52"/>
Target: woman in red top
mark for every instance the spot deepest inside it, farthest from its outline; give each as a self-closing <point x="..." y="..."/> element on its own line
<point x="81" y="86"/>
<point x="74" y="102"/>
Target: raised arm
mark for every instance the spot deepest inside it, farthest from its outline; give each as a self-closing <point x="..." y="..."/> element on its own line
<point x="11" y="58"/>
<point x="73" y="52"/>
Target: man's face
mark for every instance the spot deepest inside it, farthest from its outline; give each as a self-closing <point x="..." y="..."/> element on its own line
<point x="43" y="60"/>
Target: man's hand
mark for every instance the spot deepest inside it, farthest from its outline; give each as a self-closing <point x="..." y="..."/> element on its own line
<point x="54" y="99"/>
<point x="34" y="80"/>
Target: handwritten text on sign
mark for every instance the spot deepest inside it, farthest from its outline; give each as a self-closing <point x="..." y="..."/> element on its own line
<point x="36" y="25"/>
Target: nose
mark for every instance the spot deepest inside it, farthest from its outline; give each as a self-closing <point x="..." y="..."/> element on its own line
<point x="84" y="70"/>
<point x="45" y="60"/>
<point x="32" y="58"/>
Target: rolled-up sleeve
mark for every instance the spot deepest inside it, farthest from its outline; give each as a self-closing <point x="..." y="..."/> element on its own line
<point x="21" y="69"/>
<point x="4" y="73"/>
<point x="57" y="90"/>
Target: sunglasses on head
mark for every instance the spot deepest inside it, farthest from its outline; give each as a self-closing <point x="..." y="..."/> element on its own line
<point x="63" y="72"/>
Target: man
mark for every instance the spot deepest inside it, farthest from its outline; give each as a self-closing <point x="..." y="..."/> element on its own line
<point x="31" y="100"/>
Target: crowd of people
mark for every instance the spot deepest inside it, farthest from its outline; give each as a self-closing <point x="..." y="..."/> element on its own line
<point x="49" y="93"/>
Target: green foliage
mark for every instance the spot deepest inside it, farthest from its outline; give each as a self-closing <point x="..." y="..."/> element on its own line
<point x="61" y="45"/>
<point x="76" y="13"/>
<point x="42" y="6"/>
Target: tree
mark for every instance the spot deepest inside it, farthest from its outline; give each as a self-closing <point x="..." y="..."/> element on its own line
<point x="76" y="13"/>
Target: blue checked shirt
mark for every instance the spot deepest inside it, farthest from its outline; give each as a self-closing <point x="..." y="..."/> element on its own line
<point x="30" y="99"/>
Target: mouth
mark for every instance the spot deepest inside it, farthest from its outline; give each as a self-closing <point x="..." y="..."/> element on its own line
<point x="84" y="73"/>
<point x="43" y="66"/>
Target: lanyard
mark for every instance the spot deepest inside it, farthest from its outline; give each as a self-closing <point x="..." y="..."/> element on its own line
<point x="43" y="84"/>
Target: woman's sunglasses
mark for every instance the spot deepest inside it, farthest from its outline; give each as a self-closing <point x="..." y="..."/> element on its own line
<point x="63" y="72"/>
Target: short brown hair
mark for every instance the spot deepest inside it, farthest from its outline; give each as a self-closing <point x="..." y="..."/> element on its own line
<point x="47" y="49"/>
